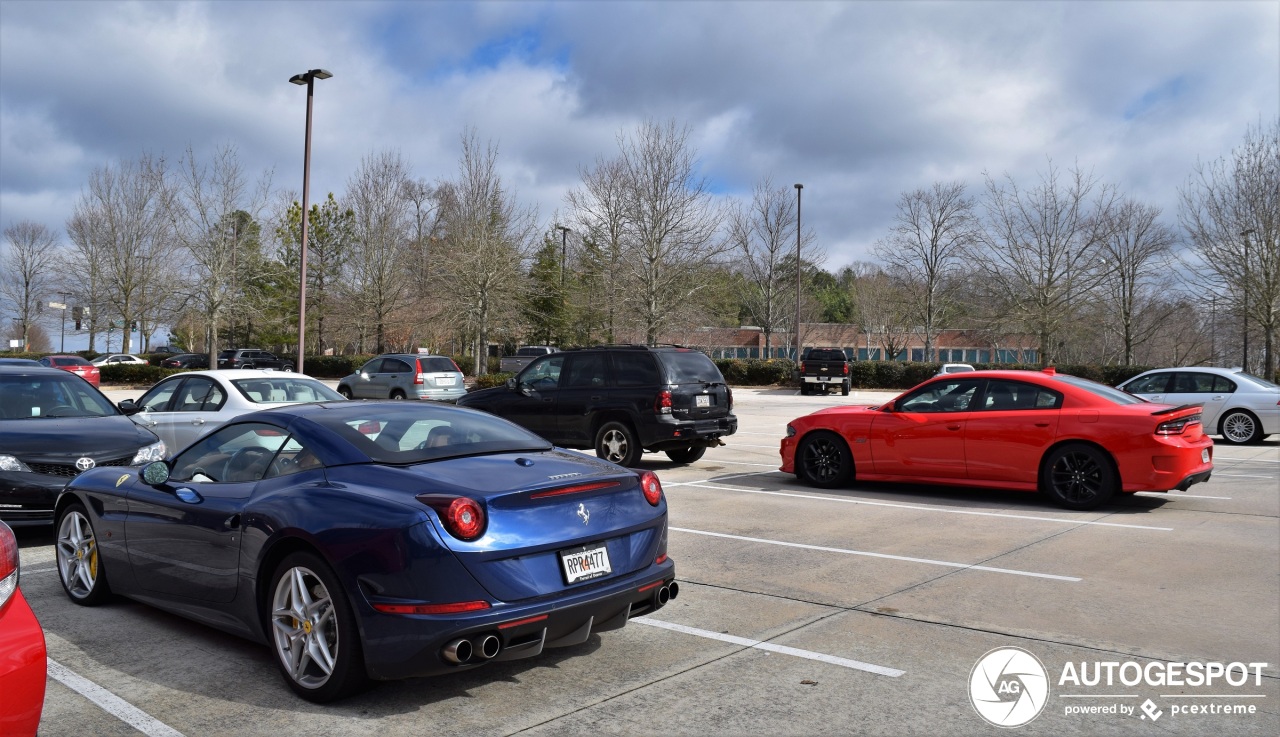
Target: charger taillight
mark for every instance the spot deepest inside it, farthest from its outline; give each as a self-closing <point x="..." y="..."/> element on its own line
<point x="1178" y="426"/>
<point x="8" y="564"/>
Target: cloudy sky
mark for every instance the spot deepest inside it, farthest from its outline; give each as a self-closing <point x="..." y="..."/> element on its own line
<point x="860" y="101"/>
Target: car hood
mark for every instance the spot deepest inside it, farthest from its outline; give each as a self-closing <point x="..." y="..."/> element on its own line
<point x="47" y="436"/>
<point x="482" y="397"/>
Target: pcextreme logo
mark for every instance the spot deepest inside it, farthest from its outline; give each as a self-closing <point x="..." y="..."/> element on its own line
<point x="1009" y="687"/>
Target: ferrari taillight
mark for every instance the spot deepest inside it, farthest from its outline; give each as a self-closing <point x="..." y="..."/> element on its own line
<point x="462" y="517"/>
<point x="1178" y="426"/>
<point x="8" y="564"/>
<point x="651" y="486"/>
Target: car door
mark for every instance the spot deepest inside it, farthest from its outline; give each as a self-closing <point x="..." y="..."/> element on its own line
<point x="923" y="434"/>
<point x="1201" y="387"/>
<point x="532" y="403"/>
<point x="183" y="536"/>
<point x="155" y="406"/>
<point x="583" y="388"/>
<point x="196" y="410"/>
<point x="1015" y="424"/>
<point x="1151" y="387"/>
<point x="394" y="375"/>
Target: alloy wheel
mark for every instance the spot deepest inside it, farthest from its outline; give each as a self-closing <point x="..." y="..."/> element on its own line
<point x="77" y="555"/>
<point x="304" y="627"/>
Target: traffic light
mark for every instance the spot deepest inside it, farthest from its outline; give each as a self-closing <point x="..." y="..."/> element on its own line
<point x="133" y="325"/>
<point x="77" y="322"/>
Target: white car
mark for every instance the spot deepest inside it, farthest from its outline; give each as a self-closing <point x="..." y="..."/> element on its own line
<point x="954" y="368"/>
<point x="1240" y="407"/>
<point x="117" y="358"/>
<point x="183" y="407"/>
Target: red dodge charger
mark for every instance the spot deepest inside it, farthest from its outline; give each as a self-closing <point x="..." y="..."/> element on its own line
<point x="1077" y="441"/>
<point x="22" y="653"/>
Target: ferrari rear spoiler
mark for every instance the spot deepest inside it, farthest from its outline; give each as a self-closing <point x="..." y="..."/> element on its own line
<point x="1171" y="410"/>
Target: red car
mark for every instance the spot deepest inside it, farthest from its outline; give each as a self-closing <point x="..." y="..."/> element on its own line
<point x="22" y="653"/>
<point x="75" y="365"/>
<point x="1077" y="441"/>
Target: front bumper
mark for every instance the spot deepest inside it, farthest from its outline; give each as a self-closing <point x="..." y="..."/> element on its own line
<point x="28" y="498"/>
<point x="409" y="646"/>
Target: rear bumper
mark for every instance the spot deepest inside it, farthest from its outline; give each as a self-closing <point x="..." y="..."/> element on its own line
<point x="676" y="434"/>
<point x="409" y="646"/>
<point x="824" y="379"/>
<point x="1174" y="463"/>
<point x="22" y="668"/>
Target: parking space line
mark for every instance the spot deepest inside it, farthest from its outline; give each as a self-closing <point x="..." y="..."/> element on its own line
<point x="918" y="507"/>
<point x="1168" y="495"/>
<point x="781" y="649"/>
<point x="110" y="703"/>
<point x="843" y="551"/>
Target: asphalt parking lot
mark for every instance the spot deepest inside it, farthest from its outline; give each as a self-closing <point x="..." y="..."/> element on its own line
<point x="858" y="611"/>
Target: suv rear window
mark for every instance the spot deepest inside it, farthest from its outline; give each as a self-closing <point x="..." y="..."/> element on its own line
<point x="688" y="367"/>
<point x="825" y="354"/>
<point x="436" y="363"/>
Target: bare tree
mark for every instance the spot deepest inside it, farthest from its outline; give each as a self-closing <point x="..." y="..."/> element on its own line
<point x="27" y="273"/>
<point x="1040" y="250"/>
<point x="763" y="233"/>
<point x="487" y="237"/>
<point x="1231" y="211"/>
<point x="932" y="231"/>
<point x="671" y="222"/>
<point x="883" y="307"/>
<point x="601" y="208"/>
<point x="1137" y="250"/>
<point x="377" y="275"/>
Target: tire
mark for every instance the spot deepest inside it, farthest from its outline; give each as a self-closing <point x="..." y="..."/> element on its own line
<point x="844" y="390"/>
<point x="287" y="368"/>
<point x="1240" y="428"/>
<point x="397" y="394"/>
<point x="616" y="442"/>
<point x="80" y="566"/>
<point x="804" y="390"/>
<point x="1078" y="477"/>
<point x="823" y="460"/>
<point x="345" y="391"/>
<point x="312" y="630"/>
<point x="687" y="455"/>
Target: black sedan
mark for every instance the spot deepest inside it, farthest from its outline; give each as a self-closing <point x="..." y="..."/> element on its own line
<point x="374" y="540"/>
<point x="186" y="361"/>
<point x="54" y="425"/>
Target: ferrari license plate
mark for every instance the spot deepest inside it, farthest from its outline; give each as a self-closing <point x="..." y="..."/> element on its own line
<point x="585" y="563"/>
<point x="703" y="400"/>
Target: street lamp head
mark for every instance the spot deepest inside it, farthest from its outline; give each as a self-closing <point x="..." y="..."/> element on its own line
<point x="1248" y="232"/>
<point x="799" y="186"/>
<point x="301" y="79"/>
<point x="298" y="79"/>
<point x="562" y="228"/>
<point x="320" y="73"/>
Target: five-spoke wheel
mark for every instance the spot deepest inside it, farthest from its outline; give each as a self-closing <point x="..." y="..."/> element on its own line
<point x="823" y="459"/>
<point x="313" y="632"/>
<point x="616" y="442"/>
<point x="79" y="563"/>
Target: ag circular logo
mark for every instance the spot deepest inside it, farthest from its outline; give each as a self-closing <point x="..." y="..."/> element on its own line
<point x="1009" y="687"/>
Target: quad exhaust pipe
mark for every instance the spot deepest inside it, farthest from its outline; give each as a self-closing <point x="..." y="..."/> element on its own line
<point x="482" y="647"/>
<point x="666" y="593"/>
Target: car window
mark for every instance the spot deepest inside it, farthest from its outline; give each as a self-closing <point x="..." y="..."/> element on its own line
<point x="417" y="434"/>
<point x="825" y="354"/>
<point x="292" y="458"/>
<point x="1222" y="384"/>
<point x="157" y="398"/>
<point x="199" y="394"/>
<point x="286" y="388"/>
<point x="25" y="397"/>
<point x="585" y="369"/>
<point x="1101" y="390"/>
<point x="1250" y="378"/>
<point x="395" y="366"/>
<point x="1002" y="394"/>
<point x="1151" y="384"/>
<point x="688" y="367"/>
<point x="233" y="454"/>
<point x="635" y="369"/>
<point x="941" y="396"/>
<point x="436" y="364"/>
<point x="543" y="373"/>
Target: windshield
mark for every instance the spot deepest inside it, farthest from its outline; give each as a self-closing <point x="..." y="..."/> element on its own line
<point x="1102" y="390"/>
<point x="34" y="397"/>
<point x="688" y="367"/>
<point x="405" y="433"/>
<point x="285" y="389"/>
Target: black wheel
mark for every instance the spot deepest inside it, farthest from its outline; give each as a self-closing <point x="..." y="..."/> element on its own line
<point x="345" y="391"/>
<point x="687" y="455"/>
<point x="313" y="632"/>
<point x="616" y="442"/>
<point x="79" y="564"/>
<point x="1239" y="428"/>
<point x="804" y="389"/>
<point x="397" y="394"/>
<point x="287" y="367"/>
<point x="844" y="389"/>
<point x="1078" y="477"/>
<point x="823" y="460"/>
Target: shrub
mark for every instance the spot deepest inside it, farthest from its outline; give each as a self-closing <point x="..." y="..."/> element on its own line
<point x="889" y="375"/>
<point x="333" y="367"/>
<point x="490" y="380"/>
<point x="133" y="374"/>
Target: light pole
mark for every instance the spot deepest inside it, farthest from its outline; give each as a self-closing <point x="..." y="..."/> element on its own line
<point x="1244" y="316"/>
<point x="309" y="79"/>
<point x="798" y="188"/>
<point x="564" y="235"/>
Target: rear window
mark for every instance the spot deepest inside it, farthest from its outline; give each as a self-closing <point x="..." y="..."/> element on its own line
<point x="432" y="364"/>
<point x="286" y="389"/>
<point x="1101" y="390"/>
<point x="825" y="354"/>
<point x="688" y="367"/>
<point x="69" y="361"/>
<point x="420" y="432"/>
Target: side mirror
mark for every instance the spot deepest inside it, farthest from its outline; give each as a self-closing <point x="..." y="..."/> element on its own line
<point x="511" y="383"/>
<point x="155" y="473"/>
<point x="129" y="406"/>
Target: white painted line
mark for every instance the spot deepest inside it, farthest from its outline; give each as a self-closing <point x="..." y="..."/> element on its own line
<point x="765" y="447"/>
<point x="1244" y="475"/>
<point x="921" y="508"/>
<point x="110" y="703"/>
<point x="1218" y="457"/>
<point x="774" y="466"/>
<point x="782" y="649"/>
<point x="926" y="561"/>
<point x="1177" y="495"/>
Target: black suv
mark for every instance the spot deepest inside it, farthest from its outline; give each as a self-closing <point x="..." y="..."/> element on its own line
<point x="619" y="400"/>
<point x="245" y="358"/>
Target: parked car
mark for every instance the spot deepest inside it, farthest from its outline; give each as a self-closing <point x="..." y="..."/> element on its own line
<point x="405" y="376"/>
<point x="19" y="362"/>
<point x="117" y="358"/>
<point x="247" y="358"/>
<point x="375" y="540"/>
<point x="185" y="406"/>
<point x="1238" y="406"/>
<point x="1078" y="442"/>
<point x="169" y="349"/>
<point x="954" y="368"/>
<point x="821" y="369"/>
<point x="523" y="357"/>
<point x="53" y="426"/>
<point x="75" y="365"/>
<point x="186" y="361"/>
<point x="619" y="401"/>
<point x="23" y="658"/>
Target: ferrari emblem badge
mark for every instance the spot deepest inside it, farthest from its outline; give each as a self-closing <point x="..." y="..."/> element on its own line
<point x="584" y="514"/>
<point x="122" y="479"/>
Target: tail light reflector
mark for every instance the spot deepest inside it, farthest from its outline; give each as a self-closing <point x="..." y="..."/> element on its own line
<point x="802" y="367"/>
<point x="1178" y="426"/>
<point x="462" y="517"/>
<point x="846" y="369"/>
<point x="662" y="404"/>
<point x="453" y="608"/>
<point x="651" y="486"/>
<point x="8" y="564"/>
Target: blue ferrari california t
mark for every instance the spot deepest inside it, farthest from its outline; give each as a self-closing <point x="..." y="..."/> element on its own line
<point x="374" y="540"/>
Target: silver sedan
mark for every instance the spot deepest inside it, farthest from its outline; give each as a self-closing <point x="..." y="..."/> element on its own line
<point x="186" y="406"/>
<point x="1240" y="407"/>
